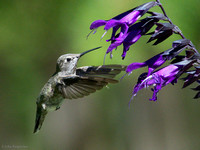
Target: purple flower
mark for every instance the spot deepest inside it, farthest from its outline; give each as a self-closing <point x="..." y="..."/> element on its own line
<point x="156" y="61"/>
<point x="134" y="33"/>
<point x="128" y="18"/>
<point x="160" y="78"/>
<point x="126" y="38"/>
<point x="152" y="64"/>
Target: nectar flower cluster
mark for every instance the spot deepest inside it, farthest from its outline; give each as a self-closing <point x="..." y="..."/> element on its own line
<point x="124" y="21"/>
<point x="129" y="27"/>
<point x="160" y="78"/>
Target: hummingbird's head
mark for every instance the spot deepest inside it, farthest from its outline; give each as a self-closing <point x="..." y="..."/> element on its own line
<point x="68" y="62"/>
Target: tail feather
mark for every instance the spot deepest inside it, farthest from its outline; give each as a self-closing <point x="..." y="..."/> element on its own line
<point x="40" y="116"/>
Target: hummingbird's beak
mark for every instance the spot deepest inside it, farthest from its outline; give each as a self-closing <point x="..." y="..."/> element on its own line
<point x="89" y="51"/>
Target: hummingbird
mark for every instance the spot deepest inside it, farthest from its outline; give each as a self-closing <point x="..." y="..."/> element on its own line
<point x="70" y="82"/>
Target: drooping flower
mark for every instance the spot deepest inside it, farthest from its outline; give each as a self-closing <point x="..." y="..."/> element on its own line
<point x="134" y="33"/>
<point x="128" y="18"/>
<point x="159" y="59"/>
<point x="161" y="78"/>
<point x="152" y="63"/>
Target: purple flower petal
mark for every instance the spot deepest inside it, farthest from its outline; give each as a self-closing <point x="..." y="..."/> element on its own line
<point x="155" y="93"/>
<point x="113" y="46"/>
<point x="128" y="17"/>
<point x="134" y="66"/>
<point x="116" y="25"/>
<point x="134" y="14"/>
<point x="132" y="17"/>
<point x="97" y="24"/>
<point x="127" y="39"/>
<point x="129" y="33"/>
<point x="152" y="64"/>
<point x="127" y="44"/>
<point x="158" y="79"/>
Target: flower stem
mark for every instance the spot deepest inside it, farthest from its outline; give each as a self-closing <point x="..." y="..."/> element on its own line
<point x="177" y="28"/>
<point x="163" y="10"/>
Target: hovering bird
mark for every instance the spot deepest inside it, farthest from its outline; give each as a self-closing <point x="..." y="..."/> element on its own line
<point x="70" y="82"/>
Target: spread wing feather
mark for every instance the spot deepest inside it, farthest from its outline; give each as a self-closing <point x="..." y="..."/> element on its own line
<point x="88" y="80"/>
<point x="107" y="71"/>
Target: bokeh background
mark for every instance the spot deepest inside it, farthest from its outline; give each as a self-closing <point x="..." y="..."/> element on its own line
<point x="34" y="33"/>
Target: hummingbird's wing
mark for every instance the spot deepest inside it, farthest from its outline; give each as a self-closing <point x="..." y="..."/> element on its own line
<point x="89" y="79"/>
<point x="78" y="86"/>
<point x="107" y="71"/>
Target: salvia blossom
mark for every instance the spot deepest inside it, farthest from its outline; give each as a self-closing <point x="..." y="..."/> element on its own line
<point x="129" y="33"/>
<point x="160" y="78"/>
<point x="156" y="61"/>
<point x="133" y="34"/>
<point x="152" y="63"/>
<point x="128" y="18"/>
<point x="131" y="29"/>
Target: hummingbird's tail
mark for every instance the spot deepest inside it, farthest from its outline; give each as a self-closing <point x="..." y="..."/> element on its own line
<point x="40" y="116"/>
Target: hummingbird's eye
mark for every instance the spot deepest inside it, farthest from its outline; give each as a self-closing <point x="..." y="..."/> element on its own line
<point x="68" y="59"/>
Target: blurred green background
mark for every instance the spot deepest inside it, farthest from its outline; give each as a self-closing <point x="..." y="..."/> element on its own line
<point x="34" y="33"/>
